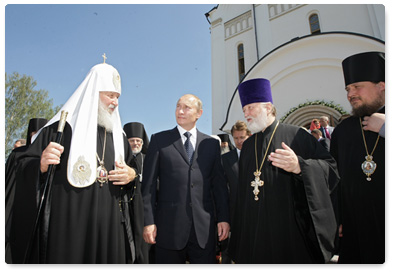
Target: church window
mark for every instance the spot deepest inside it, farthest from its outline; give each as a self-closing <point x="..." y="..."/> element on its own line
<point x="314" y="24"/>
<point x="240" y="57"/>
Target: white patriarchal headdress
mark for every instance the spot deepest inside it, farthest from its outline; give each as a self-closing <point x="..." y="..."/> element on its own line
<point x="82" y="108"/>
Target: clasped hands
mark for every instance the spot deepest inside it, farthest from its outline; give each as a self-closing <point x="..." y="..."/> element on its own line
<point x="122" y="174"/>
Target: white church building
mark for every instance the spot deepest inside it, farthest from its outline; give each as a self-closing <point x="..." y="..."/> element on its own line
<point x="298" y="47"/>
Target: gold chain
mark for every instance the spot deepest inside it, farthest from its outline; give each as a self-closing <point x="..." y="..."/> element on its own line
<point x="364" y="140"/>
<point x="267" y="149"/>
<point x="104" y="149"/>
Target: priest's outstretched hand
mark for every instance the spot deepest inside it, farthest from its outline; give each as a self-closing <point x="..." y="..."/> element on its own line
<point x="122" y="174"/>
<point x="285" y="159"/>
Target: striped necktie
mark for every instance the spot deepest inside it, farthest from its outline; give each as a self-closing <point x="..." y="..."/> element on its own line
<point x="188" y="146"/>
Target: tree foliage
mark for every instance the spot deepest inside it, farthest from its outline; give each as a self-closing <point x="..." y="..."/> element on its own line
<point x="23" y="103"/>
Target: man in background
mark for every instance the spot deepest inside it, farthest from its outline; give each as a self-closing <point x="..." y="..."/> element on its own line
<point x="226" y="145"/>
<point x="230" y="162"/>
<point x="35" y="124"/>
<point x="20" y="142"/>
<point x="138" y="140"/>
<point x="325" y="129"/>
<point x="324" y="141"/>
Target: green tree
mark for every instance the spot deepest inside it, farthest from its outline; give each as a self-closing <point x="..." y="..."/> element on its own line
<point x="23" y="103"/>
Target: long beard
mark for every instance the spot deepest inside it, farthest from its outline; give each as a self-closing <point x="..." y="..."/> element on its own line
<point x="104" y="117"/>
<point x="258" y="123"/>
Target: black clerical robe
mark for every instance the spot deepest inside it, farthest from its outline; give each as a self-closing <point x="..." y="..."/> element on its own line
<point x="362" y="202"/>
<point x="10" y="177"/>
<point x="137" y="212"/>
<point x="86" y="225"/>
<point x="293" y="221"/>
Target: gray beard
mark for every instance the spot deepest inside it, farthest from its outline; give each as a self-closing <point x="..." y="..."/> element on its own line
<point x="104" y="118"/>
<point x="137" y="151"/>
<point x="224" y="150"/>
<point x="259" y="123"/>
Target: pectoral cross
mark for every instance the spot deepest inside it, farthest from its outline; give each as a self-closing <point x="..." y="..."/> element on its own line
<point x="257" y="183"/>
<point x="104" y="58"/>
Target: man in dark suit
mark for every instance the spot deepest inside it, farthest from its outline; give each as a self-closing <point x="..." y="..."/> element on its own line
<point x="180" y="213"/>
<point x="326" y="142"/>
<point x="325" y="129"/>
<point x="230" y="162"/>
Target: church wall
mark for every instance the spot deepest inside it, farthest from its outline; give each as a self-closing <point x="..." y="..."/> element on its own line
<point x="217" y="72"/>
<point x="229" y="12"/>
<point x="332" y="18"/>
<point x="250" y="58"/>
<point x="275" y="25"/>
<point x="263" y="30"/>
<point x="224" y="56"/>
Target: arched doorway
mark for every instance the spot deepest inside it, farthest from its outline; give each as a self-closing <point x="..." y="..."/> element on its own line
<point x="304" y="114"/>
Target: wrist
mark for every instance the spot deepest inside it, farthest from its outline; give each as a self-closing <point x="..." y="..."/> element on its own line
<point x="132" y="174"/>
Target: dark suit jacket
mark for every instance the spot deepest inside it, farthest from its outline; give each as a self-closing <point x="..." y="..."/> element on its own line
<point x="326" y="143"/>
<point x="230" y="162"/>
<point x="188" y="194"/>
<point x="330" y="130"/>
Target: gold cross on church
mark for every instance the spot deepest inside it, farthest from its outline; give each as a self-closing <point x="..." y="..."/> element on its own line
<point x="104" y="58"/>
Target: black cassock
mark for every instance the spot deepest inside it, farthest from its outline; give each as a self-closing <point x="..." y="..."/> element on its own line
<point x="86" y="225"/>
<point x="136" y="214"/>
<point x="362" y="202"/>
<point x="10" y="177"/>
<point x="293" y="221"/>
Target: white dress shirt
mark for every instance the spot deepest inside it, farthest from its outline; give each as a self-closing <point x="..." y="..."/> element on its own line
<point x="238" y="153"/>
<point x="193" y="137"/>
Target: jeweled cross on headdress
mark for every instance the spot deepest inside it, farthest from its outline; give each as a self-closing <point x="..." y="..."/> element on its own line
<point x="104" y="58"/>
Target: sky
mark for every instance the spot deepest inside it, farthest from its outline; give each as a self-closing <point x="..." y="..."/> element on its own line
<point x="160" y="51"/>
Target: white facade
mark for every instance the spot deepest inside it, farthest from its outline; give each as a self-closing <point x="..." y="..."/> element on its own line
<point x="278" y="45"/>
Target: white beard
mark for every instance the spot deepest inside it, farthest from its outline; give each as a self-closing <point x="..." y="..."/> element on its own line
<point x="258" y="123"/>
<point x="224" y="150"/>
<point x="135" y="151"/>
<point x="104" y="117"/>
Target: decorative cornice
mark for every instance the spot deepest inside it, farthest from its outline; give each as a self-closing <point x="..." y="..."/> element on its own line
<point x="238" y="25"/>
<point x="276" y="10"/>
<point x="216" y="22"/>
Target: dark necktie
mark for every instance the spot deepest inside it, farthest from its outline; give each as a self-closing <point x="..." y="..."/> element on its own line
<point x="188" y="146"/>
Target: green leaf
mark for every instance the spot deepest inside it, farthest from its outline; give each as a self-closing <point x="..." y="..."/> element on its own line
<point x="22" y="103"/>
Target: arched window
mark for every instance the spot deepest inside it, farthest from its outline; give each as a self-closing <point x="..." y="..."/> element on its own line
<point x="314" y="24"/>
<point x="240" y="57"/>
